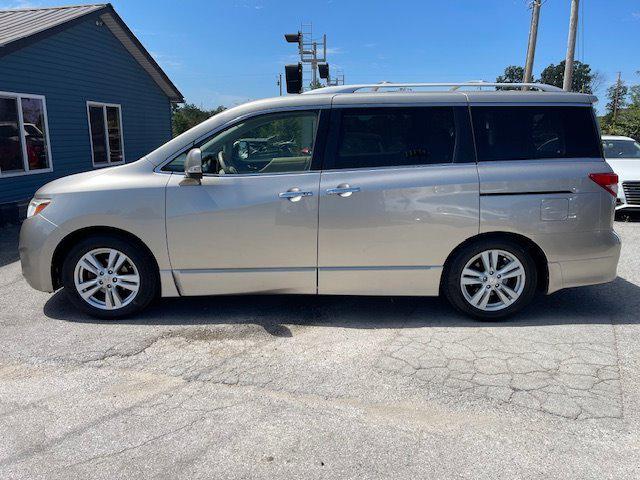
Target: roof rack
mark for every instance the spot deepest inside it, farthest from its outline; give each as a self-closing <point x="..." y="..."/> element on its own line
<point x="451" y="86"/>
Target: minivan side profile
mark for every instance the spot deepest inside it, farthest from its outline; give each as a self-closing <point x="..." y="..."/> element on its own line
<point x="485" y="197"/>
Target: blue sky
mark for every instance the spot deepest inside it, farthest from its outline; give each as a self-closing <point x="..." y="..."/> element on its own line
<point x="229" y="51"/>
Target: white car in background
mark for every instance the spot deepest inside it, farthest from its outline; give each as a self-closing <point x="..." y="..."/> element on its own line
<point x="623" y="154"/>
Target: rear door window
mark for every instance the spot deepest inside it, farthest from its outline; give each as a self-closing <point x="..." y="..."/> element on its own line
<point x="388" y="137"/>
<point x="534" y="132"/>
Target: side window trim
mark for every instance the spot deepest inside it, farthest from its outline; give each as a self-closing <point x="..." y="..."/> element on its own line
<point x="465" y="148"/>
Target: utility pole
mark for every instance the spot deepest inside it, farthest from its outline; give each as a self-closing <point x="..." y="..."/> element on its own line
<point x="616" y="98"/>
<point x="571" y="46"/>
<point x="533" y="38"/>
<point x="279" y="83"/>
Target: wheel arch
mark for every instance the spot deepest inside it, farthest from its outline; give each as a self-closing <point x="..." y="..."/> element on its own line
<point x="538" y="255"/>
<point x="65" y="245"/>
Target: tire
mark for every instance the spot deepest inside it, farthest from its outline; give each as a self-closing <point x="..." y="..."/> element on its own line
<point x="499" y="289"/>
<point x="137" y="272"/>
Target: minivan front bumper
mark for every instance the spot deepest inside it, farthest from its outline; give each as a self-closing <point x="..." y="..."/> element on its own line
<point x="36" y="249"/>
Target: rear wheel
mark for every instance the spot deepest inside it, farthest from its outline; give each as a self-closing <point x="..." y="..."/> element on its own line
<point x="491" y="279"/>
<point x="109" y="277"/>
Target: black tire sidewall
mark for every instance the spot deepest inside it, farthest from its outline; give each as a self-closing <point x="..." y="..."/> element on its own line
<point x="452" y="289"/>
<point x="144" y="263"/>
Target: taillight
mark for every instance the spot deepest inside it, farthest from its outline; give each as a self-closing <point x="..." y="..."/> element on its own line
<point x="608" y="181"/>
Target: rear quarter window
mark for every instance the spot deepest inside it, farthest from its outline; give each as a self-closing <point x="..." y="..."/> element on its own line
<point x="534" y="132"/>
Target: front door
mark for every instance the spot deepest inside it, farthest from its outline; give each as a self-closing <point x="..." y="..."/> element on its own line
<point x="251" y="225"/>
<point x="399" y="193"/>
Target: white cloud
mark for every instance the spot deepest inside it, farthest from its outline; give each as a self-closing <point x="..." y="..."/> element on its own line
<point x="335" y="51"/>
<point x="253" y="4"/>
<point x="166" y="61"/>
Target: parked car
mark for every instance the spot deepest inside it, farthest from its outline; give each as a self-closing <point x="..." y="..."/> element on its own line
<point x="623" y="154"/>
<point x="11" y="147"/>
<point x="486" y="197"/>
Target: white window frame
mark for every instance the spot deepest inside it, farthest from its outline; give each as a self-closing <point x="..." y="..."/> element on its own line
<point x="104" y="106"/>
<point x="25" y="159"/>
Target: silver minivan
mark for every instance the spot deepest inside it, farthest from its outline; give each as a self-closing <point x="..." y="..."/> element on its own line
<point x="484" y="193"/>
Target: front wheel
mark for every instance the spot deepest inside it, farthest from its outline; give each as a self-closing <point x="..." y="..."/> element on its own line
<point x="109" y="277"/>
<point x="491" y="279"/>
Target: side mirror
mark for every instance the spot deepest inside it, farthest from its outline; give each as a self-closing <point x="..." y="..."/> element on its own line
<point x="193" y="164"/>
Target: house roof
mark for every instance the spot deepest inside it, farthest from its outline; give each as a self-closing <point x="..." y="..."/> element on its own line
<point x="22" y="27"/>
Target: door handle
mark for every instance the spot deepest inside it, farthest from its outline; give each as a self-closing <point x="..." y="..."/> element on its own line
<point x="294" y="194"/>
<point x="344" y="190"/>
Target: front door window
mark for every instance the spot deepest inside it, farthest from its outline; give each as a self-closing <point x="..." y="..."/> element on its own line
<point x="272" y="143"/>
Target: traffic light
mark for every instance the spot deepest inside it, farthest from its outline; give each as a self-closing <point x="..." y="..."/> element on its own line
<point x="293" y="74"/>
<point x="293" y="37"/>
<point x="323" y="70"/>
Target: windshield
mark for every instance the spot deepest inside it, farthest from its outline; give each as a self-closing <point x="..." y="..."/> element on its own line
<point x="621" y="149"/>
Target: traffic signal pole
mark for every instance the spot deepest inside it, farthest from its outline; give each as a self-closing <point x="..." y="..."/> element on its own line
<point x="308" y="50"/>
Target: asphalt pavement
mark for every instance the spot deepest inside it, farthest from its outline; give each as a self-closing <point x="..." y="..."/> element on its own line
<point x="321" y="387"/>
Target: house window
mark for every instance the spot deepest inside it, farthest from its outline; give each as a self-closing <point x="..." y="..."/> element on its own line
<point x="105" y="129"/>
<point x="24" y="134"/>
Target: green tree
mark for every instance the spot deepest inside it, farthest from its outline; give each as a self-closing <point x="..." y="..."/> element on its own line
<point x="316" y="84"/>
<point x="617" y="95"/>
<point x="634" y="95"/>
<point x="627" y="123"/>
<point x="189" y="115"/>
<point x="512" y="74"/>
<point x="583" y="78"/>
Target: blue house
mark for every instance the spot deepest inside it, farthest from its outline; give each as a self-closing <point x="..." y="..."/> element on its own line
<point x="78" y="91"/>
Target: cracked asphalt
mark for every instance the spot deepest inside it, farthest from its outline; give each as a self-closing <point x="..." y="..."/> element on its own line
<point x="321" y="387"/>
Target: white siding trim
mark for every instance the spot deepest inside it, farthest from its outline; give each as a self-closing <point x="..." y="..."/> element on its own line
<point x="104" y="106"/>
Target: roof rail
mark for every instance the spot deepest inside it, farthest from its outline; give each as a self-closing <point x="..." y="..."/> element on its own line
<point x="451" y="86"/>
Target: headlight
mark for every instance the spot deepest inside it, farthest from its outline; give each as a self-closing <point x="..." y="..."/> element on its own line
<point x="36" y="206"/>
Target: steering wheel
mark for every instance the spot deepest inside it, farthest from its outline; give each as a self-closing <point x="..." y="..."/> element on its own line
<point x="221" y="163"/>
<point x="224" y="168"/>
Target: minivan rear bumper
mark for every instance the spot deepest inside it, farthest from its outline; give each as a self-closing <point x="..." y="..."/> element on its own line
<point x="592" y="270"/>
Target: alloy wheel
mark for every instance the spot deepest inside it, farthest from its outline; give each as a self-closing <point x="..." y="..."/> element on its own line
<point x="492" y="280"/>
<point x="106" y="278"/>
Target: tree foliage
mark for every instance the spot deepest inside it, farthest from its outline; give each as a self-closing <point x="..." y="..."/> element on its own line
<point x="316" y="84"/>
<point x="512" y="74"/>
<point x="634" y="95"/>
<point x="617" y="96"/>
<point x="189" y="115"/>
<point x="627" y="123"/>
<point x="582" y="81"/>
<point x="627" y="103"/>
